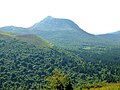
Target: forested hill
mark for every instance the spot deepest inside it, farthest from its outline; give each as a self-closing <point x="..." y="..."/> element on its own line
<point x="25" y="63"/>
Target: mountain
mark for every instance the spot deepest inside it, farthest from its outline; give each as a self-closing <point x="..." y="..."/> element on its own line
<point x="53" y="24"/>
<point x="65" y="33"/>
<point x="117" y="33"/>
<point x="115" y="36"/>
<point x="62" y="32"/>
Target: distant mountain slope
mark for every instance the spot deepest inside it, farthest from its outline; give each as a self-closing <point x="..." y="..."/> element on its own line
<point x="14" y="29"/>
<point x="117" y="33"/>
<point x="115" y="36"/>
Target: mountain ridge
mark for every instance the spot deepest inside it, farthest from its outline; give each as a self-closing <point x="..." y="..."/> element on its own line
<point x="62" y="32"/>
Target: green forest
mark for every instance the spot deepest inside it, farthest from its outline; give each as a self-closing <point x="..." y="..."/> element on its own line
<point x="28" y="64"/>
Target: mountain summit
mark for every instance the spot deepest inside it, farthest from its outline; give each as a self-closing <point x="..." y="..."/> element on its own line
<point x="51" y="23"/>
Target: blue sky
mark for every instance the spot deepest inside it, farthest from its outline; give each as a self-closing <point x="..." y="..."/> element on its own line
<point x="94" y="16"/>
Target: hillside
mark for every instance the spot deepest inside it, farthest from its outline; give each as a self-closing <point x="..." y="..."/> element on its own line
<point x="23" y="64"/>
<point x="30" y="38"/>
<point x="33" y="39"/>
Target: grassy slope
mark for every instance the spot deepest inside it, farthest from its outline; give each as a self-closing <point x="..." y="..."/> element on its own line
<point x="111" y="86"/>
<point x="33" y="39"/>
<point x="104" y="86"/>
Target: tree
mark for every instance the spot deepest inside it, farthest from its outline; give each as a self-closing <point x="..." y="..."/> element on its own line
<point x="59" y="81"/>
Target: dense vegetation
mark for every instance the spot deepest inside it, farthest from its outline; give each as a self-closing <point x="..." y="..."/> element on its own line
<point x="25" y="64"/>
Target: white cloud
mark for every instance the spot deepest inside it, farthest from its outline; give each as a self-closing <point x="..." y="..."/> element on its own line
<point x="94" y="16"/>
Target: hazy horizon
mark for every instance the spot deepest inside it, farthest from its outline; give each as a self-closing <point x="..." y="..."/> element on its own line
<point x="95" y="17"/>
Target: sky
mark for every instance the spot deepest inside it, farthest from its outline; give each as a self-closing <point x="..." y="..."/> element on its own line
<point x="93" y="16"/>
